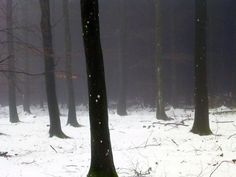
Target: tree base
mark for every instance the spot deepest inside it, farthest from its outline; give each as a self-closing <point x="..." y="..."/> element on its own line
<point x="164" y="117"/>
<point x="58" y="134"/>
<point x="122" y="113"/>
<point x="201" y="132"/>
<point x="74" y="124"/>
<point x="15" y="121"/>
<point x="27" y="112"/>
<point x="93" y="173"/>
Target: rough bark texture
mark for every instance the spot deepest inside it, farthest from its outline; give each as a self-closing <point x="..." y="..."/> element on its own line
<point x="72" y="119"/>
<point x="121" y="105"/>
<point x="101" y="152"/>
<point x="11" y="66"/>
<point x="160" y="112"/>
<point x="55" y="125"/>
<point x="201" y="120"/>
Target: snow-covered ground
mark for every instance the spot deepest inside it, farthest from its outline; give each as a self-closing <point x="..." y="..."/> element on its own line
<point x="142" y="145"/>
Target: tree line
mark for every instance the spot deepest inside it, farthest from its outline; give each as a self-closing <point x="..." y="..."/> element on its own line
<point x="101" y="152"/>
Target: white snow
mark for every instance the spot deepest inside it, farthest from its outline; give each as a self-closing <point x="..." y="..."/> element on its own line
<point x="142" y="145"/>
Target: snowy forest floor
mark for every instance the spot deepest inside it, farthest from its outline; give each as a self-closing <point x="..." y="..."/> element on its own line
<point x="142" y="145"/>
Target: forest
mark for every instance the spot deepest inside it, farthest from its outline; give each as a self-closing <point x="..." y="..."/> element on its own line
<point x="97" y="88"/>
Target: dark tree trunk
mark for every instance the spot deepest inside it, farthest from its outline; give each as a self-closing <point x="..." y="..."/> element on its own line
<point x="72" y="120"/>
<point x="101" y="152"/>
<point x="174" y="87"/>
<point x="160" y="112"/>
<point x="55" y="125"/>
<point x="233" y="84"/>
<point x="201" y="120"/>
<point x="11" y="66"/>
<point x="121" y="105"/>
<point x="26" y="96"/>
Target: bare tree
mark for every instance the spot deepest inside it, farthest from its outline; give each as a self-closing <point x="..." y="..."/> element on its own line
<point x="201" y="120"/>
<point x="72" y="120"/>
<point x="101" y="156"/>
<point x="11" y="65"/>
<point x="55" y="125"/>
<point x="26" y="95"/>
<point x="160" y="112"/>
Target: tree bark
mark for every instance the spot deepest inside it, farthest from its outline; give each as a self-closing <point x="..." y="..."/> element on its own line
<point x="201" y="120"/>
<point x="160" y="112"/>
<point x="11" y="66"/>
<point x="101" y="152"/>
<point x="72" y="120"/>
<point x="55" y="125"/>
<point x="174" y="86"/>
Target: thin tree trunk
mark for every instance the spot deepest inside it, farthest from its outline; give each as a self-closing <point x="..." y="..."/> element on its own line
<point x="72" y="120"/>
<point x="101" y="152"/>
<point x="121" y="105"/>
<point x="233" y="85"/>
<point x="41" y="93"/>
<point x="55" y="125"/>
<point x="174" y="87"/>
<point x="201" y="120"/>
<point x="26" y="97"/>
<point x="160" y="112"/>
<point x="11" y="66"/>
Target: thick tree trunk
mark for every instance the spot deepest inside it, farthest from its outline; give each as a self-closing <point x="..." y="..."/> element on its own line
<point x="26" y="97"/>
<point x="11" y="66"/>
<point x="121" y="105"/>
<point x="201" y="120"/>
<point x="160" y="112"/>
<point x="55" y="125"/>
<point x="72" y="120"/>
<point x="101" y="152"/>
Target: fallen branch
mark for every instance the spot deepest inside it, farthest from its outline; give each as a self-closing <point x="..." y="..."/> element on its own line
<point x="27" y="163"/>
<point x="4" y="154"/>
<point x="223" y="112"/>
<point x="223" y="122"/>
<point x="225" y="161"/>
<point x="53" y="148"/>
<point x="148" y="145"/>
<point x="3" y="134"/>
<point x="231" y="136"/>
<point x="175" y="142"/>
<point x="165" y="124"/>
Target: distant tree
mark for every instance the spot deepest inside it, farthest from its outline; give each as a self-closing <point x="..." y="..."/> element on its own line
<point x="55" y="125"/>
<point x="101" y="152"/>
<point x="11" y="65"/>
<point x="26" y="96"/>
<point x="201" y="120"/>
<point x="41" y="93"/>
<point x="160" y="112"/>
<point x="72" y="120"/>
<point x="174" y="86"/>
<point x="121" y="105"/>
